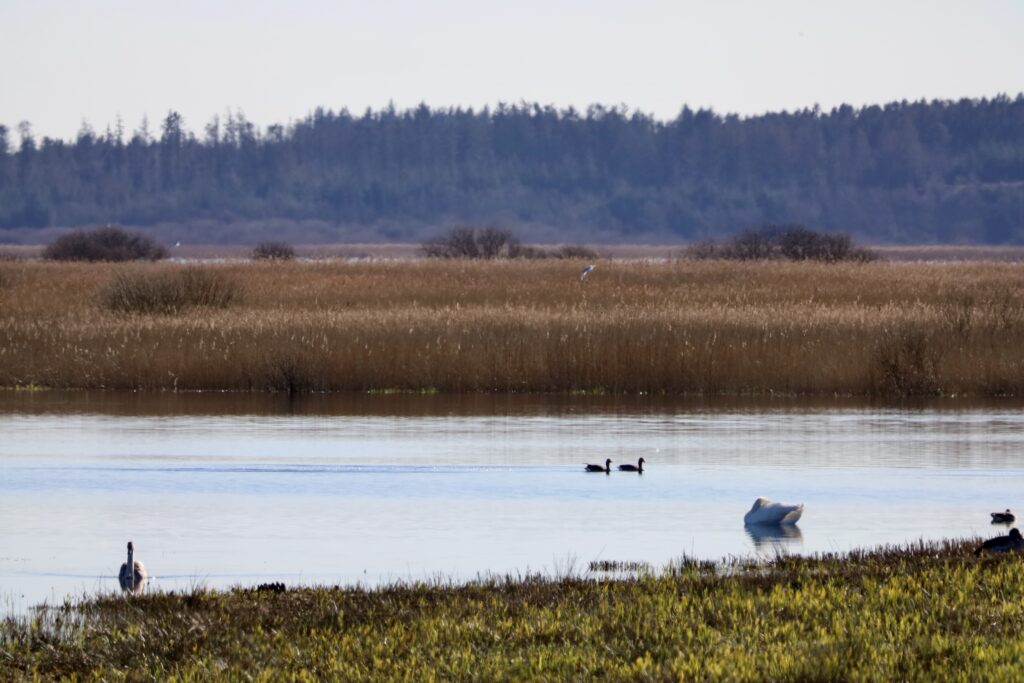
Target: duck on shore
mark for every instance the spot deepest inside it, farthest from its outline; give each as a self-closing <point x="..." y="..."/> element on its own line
<point x="597" y="468"/>
<point x="1002" y="544"/>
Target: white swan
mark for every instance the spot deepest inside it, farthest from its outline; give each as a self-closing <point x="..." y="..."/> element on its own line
<point x="132" y="581"/>
<point x="765" y="511"/>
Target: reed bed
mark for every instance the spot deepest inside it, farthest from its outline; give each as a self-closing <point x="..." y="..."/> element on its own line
<point x="920" y="612"/>
<point x="874" y="329"/>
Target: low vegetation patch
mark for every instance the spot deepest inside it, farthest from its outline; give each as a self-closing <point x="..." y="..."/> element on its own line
<point x="921" y="612"/>
<point x="167" y="291"/>
<point x="491" y="243"/>
<point x="273" y="251"/>
<point x="792" y="242"/>
<point x="104" y="244"/>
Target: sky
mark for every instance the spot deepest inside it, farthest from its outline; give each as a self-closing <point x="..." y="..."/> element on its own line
<point x="68" y="62"/>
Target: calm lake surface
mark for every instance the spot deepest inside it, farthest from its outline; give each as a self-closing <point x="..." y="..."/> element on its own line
<point x="221" y="490"/>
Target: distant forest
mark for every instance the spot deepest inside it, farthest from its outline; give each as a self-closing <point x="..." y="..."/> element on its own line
<point x="906" y="172"/>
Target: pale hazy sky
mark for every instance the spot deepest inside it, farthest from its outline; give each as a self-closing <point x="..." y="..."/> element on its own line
<point x="63" y="62"/>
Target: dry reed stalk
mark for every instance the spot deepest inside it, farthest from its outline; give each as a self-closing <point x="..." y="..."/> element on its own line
<point x="462" y="326"/>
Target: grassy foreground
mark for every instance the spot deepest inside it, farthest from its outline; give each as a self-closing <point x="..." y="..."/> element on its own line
<point x="875" y="329"/>
<point x="924" y="612"/>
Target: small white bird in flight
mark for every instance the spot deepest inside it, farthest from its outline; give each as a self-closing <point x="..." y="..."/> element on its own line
<point x="586" y="272"/>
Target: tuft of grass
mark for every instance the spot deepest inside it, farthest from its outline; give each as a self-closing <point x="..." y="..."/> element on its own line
<point x="924" y="611"/>
<point x="168" y="291"/>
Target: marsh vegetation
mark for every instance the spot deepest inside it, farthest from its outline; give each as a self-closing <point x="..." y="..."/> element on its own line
<point x="704" y="327"/>
<point x="105" y="243"/>
<point x="919" y="612"/>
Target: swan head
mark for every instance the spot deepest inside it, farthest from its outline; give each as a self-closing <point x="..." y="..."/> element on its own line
<point x="607" y="462"/>
<point x="642" y="460"/>
<point x="1015" y="534"/>
<point x="131" y="548"/>
<point x="759" y="503"/>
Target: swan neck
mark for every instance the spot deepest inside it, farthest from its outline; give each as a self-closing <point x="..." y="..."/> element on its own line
<point x="131" y="568"/>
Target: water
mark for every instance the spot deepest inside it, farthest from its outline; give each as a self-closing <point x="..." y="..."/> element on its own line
<point x="222" y="490"/>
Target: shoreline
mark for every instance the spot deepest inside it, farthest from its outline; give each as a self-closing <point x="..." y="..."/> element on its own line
<point x="876" y="613"/>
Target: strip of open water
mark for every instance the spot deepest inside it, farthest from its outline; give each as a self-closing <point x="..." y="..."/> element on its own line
<point x="221" y="490"/>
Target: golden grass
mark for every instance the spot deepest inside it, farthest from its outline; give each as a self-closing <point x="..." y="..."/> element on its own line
<point x="460" y="326"/>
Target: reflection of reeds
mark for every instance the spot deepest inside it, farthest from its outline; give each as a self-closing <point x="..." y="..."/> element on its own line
<point x="860" y="329"/>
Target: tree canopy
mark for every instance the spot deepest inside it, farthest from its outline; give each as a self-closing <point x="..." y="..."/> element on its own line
<point x="939" y="171"/>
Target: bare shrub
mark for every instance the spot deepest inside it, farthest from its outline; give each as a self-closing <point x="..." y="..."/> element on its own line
<point x="908" y="362"/>
<point x="273" y="251"/>
<point x="289" y="371"/>
<point x="104" y="244"/>
<point x="494" y="243"/>
<point x="751" y="245"/>
<point x="167" y="292"/>
<point x="792" y="242"/>
<point x="468" y="242"/>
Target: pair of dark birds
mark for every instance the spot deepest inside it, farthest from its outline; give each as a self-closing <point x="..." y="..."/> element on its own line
<point x="607" y="469"/>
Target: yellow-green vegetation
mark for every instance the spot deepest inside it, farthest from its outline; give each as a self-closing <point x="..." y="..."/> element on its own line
<point x="866" y="329"/>
<point x="925" y="612"/>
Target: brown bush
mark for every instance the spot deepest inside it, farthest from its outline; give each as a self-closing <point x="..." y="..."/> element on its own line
<point x="167" y="292"/>
<point x="468" y="242"/>
<point x="791" y="242"/>
<point x="273" y="251"/>
<point x="104" y="244"/>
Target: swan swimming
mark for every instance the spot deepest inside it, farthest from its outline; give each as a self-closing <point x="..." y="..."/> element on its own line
<point x="597" y="468"/>
<point x="765" y="511"/>
<point x="132" y="581"/>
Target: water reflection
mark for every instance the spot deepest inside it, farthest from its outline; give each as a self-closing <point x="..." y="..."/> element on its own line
<point x="660" y="409"/>
<point x="775" y="537"/>
<point x="243" y="489"/>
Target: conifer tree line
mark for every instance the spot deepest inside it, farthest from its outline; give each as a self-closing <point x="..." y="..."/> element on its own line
<point x="938" y="171"/>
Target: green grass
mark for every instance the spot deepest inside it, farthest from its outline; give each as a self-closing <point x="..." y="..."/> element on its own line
<point x="922" y="612"/>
